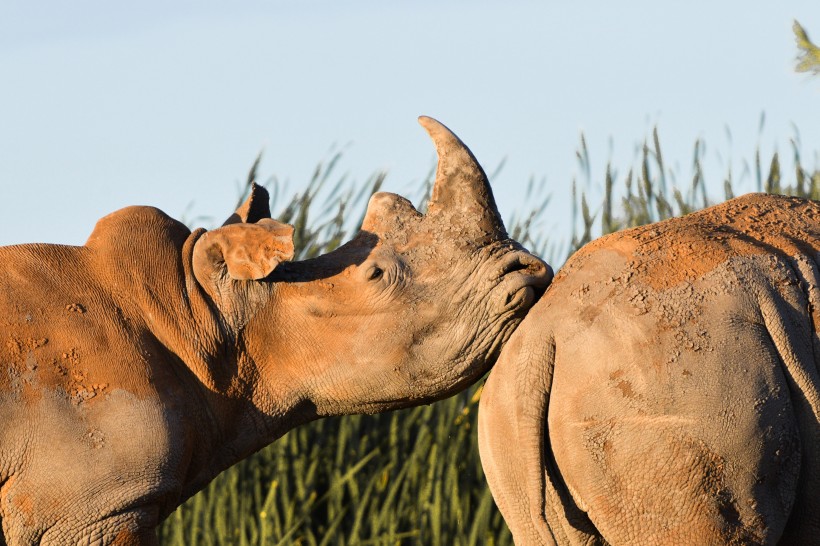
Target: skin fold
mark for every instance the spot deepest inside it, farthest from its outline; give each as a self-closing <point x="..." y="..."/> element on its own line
<point x="665" y="389"/>
<point x="137" y="367"/>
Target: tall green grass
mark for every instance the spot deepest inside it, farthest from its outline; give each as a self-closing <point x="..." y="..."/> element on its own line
<point x="413" y="476"/>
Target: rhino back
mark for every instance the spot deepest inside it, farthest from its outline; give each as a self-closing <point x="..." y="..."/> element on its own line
<point x="81" y="318"/>
<point x="682" y="276"/>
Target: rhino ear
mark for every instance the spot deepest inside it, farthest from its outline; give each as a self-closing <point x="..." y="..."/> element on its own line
<point x="255" y="208"/>
<point x="242" y="251"/>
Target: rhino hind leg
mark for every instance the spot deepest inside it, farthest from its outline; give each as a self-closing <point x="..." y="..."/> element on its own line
<point x="689" y="495"/>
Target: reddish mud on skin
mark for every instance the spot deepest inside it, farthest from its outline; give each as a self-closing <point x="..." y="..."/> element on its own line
<point x="137" y="367"/>
<point x="665" y="390"/>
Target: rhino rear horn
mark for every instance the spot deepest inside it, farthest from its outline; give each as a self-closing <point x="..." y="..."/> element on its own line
<point x="461" y="189"/>
<point x="388" y="214"/>
<point x="255" y="207"/>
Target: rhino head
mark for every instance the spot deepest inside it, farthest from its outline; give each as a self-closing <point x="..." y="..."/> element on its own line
<point x="414" y="308"/>
<point x="138" y="366"/>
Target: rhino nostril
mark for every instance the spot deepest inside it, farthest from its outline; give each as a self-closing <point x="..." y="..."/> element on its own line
<point x="513" y="266"/>
<point x="525" y="279"/>
<point x="529" y="265"/>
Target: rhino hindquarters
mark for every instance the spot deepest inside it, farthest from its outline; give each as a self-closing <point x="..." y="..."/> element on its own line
<point x="683" y="431"/>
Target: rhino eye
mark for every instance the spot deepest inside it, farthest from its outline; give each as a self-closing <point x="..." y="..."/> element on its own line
<point x="375" y="273"/>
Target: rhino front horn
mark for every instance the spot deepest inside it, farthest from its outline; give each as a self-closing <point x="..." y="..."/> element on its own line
<point x="461" y="190"/>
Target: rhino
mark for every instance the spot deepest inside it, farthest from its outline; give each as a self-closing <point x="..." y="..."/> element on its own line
<point x="665" y="389"/>
<point x="137" y="367"/>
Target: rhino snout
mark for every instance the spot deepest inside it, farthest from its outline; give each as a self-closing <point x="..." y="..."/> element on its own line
<point x="525" y="279"/>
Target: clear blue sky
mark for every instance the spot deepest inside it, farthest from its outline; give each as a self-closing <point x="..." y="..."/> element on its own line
<point x="104" y="105"/>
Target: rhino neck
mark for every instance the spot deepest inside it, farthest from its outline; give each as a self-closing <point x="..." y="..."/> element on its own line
<point x="248" y="411"/>
<point x="151" y="279"/>
<point x="144" y="258"/>
<point x="310" y="361"/>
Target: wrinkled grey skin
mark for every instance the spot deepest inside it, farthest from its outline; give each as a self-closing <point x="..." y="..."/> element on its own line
<point x="665" y="389"/>
<point x="135" y="368"/>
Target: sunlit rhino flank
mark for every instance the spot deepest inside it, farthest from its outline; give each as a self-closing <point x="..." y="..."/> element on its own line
<point x="138" y="366"/>
<point x="665" y="390"/>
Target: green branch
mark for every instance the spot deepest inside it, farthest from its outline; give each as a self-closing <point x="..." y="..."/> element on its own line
<point x="808" y="57"/>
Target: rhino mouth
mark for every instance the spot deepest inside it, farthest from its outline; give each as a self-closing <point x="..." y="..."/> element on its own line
<point x="524" y="278"/>
<point x="521" y="298"/>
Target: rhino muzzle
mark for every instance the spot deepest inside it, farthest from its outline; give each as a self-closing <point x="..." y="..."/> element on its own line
<point x="525" y="278"/>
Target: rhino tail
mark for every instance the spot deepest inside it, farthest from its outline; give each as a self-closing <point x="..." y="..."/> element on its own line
<point x="558" y="518"/>
<point x="514" y="443"/>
